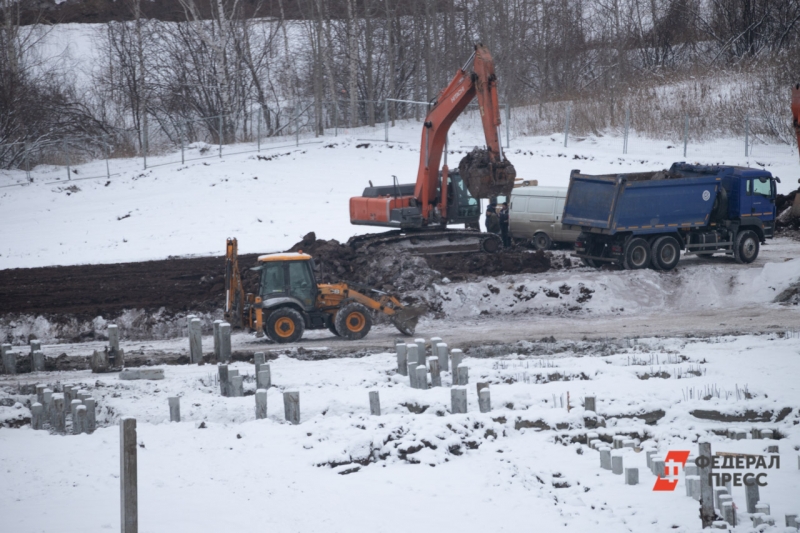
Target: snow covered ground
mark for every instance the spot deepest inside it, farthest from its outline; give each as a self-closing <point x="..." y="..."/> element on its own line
<point x="269" y="200"/>
<point x="430" y="471"/>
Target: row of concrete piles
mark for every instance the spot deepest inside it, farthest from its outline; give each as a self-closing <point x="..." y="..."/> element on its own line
<point x="16" y="359"/>
<point x="716" y="501"/>
<point x="415" y="361"/>
<point x="71" y="411"/>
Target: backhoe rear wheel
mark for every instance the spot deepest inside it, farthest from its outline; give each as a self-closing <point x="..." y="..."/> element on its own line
<point x="353" y="321"/>
<point x="285" y="325"/>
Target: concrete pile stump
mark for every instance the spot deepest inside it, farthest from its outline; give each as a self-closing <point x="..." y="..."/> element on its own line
<point x="261" y="404"/>
<point x="456" y="357"/>
<point x="693" y="487"/>
<point x="766" y="434"/>
<point x="649" y="455"/>
<point x="718" y="491"/>
<point x="773" y="449"/>
<point x="436" y="375"/>
<point x="763" y="508"/>
<point x="729" y="513"/>
<point x="412" y="374"/>
<point x="629" y="443"/>
<point x="616" y="464"/>
<point x="413" y="354"/>
<point x="91" y="416"/>
<point x="79" y="422"/>
<point x="47" y="402"/>
<point x="434" y="342"/>
<point x="444" y="356"/>
<point x="9" y="360"/>
<point x="291" y="406"/>
<point x="484" y="400"/>
<point x="617" y="441"/>
<point x="374" y="403"/>
<point x="462" y="373"/>
<point x="128" y="477"/>
<point x="237" y="386"/>
<point x="458" y="400"/>
<point x="605" y="457"/>
<point x="264" y="377"/>
<point x="751" y="497"/>
<point x="422" y="377"/>
<point x="37" y="360"/>
<point x="589" y="403"/>
<point x="40" y="393"/>
<point x="420" y="348"/>
<point x="73" y="408"/>
<point x="174" y="408"/>
<point x="224" y="342"/>
<point x="259" y="359"/>
<point x="631" y="476"/>
<point x="657" y="465"/>
<point x="59" y="421"/>
<point x="223" y="380"/>
<point x="402" y="358"/>
<point x="215" y="331"/>
<point x="792" y="520"/>
<point x="37" y="416"/>
<point x="195" y="341"/>
<point x="35" y="346"/>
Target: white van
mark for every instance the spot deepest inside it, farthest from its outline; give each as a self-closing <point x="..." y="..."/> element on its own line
<point x="535" y="216"/>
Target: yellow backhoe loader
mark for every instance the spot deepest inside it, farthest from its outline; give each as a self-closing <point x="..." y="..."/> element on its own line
<point x="289" y="301"/>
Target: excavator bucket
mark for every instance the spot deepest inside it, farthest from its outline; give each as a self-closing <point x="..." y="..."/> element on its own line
<point x="486" y="176"/>
<point x="405" y="319"/>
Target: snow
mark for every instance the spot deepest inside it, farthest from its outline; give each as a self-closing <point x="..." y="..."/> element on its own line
<point x="268" y="200"/>
<point x="484" y="474"/>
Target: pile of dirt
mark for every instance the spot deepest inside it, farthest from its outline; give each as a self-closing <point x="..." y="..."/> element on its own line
<point x="788" y="207"/>
<point x="393" y="269"/>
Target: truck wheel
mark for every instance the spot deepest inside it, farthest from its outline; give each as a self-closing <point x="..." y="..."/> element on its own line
<point x="353" y="321"/>
<point x="285" y="325"/>
<point x="542" y="241"/>
<point x="746" y="247"/>
<point x="637" y="254"/>
<point x="666" y="252"/>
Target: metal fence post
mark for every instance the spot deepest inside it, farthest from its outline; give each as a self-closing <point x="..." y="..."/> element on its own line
<point x="220" y="135"/>
<point x="108" y="168"/>
<point x="258" y="129"/>
<point x="27" y="164"/>
<point x="180" y="134"/>
<point x="627" y="129"/>
<point x="66" y="154"/>
<point x="335" y="119"/>
<point x="566" y="127"/>
<point x="746" y="135"/>
<point x="144" y="144"/>
<point x="386" y="119"/>
<point x="297" y="125"/>
<point x="685" y="134"/>
<point x="508" y="126"/>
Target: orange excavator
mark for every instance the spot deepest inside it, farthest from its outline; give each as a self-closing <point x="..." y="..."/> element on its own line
<point x="421" y="211"/>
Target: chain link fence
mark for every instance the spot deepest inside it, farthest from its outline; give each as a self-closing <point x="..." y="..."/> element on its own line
<point x="165" y="140"/>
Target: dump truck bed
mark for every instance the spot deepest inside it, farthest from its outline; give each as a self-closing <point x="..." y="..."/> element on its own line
<point x="646" y="202"/>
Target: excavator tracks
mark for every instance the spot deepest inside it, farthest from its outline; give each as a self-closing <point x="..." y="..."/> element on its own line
<point x="431" y="242"/>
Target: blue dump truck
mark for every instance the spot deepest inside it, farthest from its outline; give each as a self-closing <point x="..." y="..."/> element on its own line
<point x="645" y="219"/>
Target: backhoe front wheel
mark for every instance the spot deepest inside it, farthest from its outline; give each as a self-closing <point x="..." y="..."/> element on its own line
<point x="285" y="325"/>
<point x="353" y="321"/>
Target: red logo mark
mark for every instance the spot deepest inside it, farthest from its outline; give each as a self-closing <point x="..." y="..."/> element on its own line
<point x="673" y="464"/>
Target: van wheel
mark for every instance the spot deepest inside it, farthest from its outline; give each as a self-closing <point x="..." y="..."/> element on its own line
<point x="353" y="321"/>
<point x="542" y="241"/>
<point x="285" y="325"/>
<point x="637" y="254"/>
<point x="666" y="253"/>
<point x="746" y="247"/>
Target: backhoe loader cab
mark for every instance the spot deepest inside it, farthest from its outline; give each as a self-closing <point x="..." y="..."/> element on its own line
<point x="289" y="301"/>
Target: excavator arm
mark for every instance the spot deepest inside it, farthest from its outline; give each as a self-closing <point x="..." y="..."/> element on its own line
<point x="488" y="175"/>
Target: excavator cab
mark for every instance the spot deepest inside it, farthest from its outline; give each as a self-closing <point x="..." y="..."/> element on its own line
<point x="462" y="207"/>
<point x="289" y="276"/>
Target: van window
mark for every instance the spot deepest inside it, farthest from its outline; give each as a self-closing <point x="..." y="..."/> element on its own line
<point x="541" y="206"/>
<point x="560" y="205"/>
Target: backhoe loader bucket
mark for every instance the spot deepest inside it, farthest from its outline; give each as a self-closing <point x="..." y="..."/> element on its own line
<point x="486" y="176"/>
<point x="405" y="319"/>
